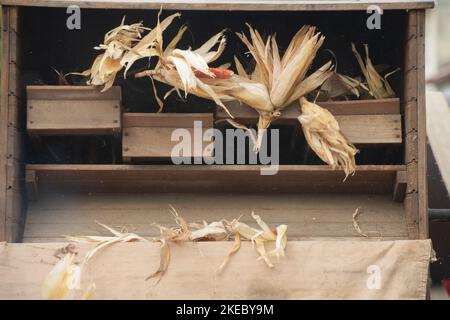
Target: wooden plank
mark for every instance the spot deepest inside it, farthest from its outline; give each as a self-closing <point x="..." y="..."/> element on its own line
<point x="291" y="113"/>
<point x="73" y="117"/>
<point x="400" y="186"/>
<point x="215" y="178"/>
<point x="411" y="124"/>
<point x="166" y="120"/>
<point x="4" y="119"/>
<point x="306" y="215"/>
<point x="362" y="129"/>
<point x="149" y="136"/>
<point x="72" y="93"/>
<point x="421" y="128"/>
<point x="192" y="272"/>
<point x="259" y="5"/>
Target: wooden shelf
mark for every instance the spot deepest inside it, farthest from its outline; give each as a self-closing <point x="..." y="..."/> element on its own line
<point x="210" y="178"/>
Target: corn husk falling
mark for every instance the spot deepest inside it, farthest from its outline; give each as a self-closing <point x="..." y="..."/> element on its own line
<point x="324" y="136"/>
<point x="379" y="87"/>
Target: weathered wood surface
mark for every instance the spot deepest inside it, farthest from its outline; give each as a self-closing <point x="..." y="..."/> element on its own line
<point x="362" y="122"/>
<point x="310" y="270"/>
<point x="11" y="131"/>
<point x="148" y="136"/>
<point x="63" y="110"/>
<point x="309" y="216"/>
<point x="260" y="5"/>
<point x="214" y="178"/>
<point x="416" y="204"/>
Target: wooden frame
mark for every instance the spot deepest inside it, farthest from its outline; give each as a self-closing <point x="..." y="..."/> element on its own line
<point x="413" y="173"/>
<point x="260" y="5"/>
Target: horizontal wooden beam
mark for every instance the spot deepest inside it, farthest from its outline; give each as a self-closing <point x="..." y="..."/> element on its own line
<point x="258" y="5"/>
<point x="305" y="272"/>
<point x="73" y="110"/>
<point x="213" y="178"/>
<point x="361" y="121"/>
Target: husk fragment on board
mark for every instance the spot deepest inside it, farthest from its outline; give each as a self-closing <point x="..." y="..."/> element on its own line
<point x="324" y="136"/>
<point x="65" y="277"/>
<point x="62" y="281"/>
<point x="379" y="87"/>
<point x="221" y="230"/>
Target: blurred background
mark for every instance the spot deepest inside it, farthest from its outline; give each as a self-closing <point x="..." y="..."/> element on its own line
<point x="437" y="58"/>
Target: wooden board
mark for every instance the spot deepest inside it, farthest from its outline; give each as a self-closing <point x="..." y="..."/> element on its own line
<point x="148" y="136"/>
<point x="309" y="216"/>
<point x="260" y="5"/>
<point x="363" y="122"/>
<point x="309" y="270"/>
<point x="213" y="178"/>
<point x="63" y="110"/>
<point x="11" y="131"/>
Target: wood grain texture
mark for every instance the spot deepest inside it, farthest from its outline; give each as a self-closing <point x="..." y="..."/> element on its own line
<point x="72" y="110"/>
<point x="213" y="178"/>
<point x="421" y="129"/>
<point x="259" y="5"/>
<point x="4" y="120"/>
<point x="309" y="216"/>
<point x="317" y="265"/>
<point x="362" y="122"/>
<point x="148" y="136"/>
<point x="411" y="124"/>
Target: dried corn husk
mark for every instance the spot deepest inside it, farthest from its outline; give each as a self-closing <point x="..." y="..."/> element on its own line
<point x="324" y="136"/>
<point x="340" y="85"/>
<point x="187" y="70"/>
<point x="277" y="81"/>
<point x="62" y="280"/>
<point x="379" y="87"/>
<point x="116" y="44"/>
<point x="221" y="230"/>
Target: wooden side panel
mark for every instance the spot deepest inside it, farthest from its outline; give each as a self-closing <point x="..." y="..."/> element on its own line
<point x="11" y="133"/>
<point x="416" y="207"/>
